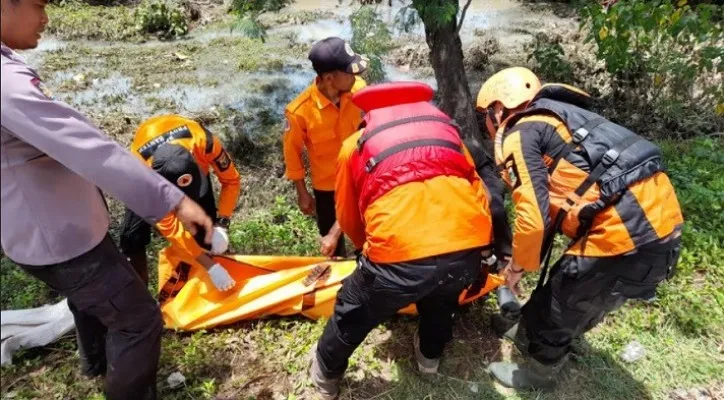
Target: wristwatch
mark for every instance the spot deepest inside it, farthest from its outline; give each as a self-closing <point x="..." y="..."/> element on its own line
<point x="224" y="222"/>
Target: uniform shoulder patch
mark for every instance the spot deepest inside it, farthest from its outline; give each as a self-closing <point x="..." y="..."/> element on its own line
<point x="43" y="89"/>
<point x="222" y="161"/>
<point x="184" y="180"/>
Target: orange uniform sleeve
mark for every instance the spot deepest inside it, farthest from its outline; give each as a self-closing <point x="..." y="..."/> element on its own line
<point x="529" y="178"/>
<point x="229" y="178"/>
<point x="346" y="196"/>
<point x="173" y="230"/>
<point x="293" y="146"/>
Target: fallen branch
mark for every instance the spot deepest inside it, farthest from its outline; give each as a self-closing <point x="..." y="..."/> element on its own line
<point x="7" y="388"/>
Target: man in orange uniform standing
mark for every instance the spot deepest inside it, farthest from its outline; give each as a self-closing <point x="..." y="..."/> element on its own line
<point x="320" y="119"/>
<point x="575" y="172"/>
<point x="408" y="196"/>
<point x="190" y="151"/>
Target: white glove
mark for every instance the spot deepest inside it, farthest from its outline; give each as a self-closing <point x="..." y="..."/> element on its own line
<point x="219" y="241"/>
<point x="221" y="278"/>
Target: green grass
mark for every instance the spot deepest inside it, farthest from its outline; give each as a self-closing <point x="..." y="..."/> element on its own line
<point x="683" y="333"/>
<point x="75" y="20"/>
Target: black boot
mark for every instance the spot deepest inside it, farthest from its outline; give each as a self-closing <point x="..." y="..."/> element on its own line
<point x="327" y="388"/>
<point x="511" y="330"/>
<point x="529" y="374"/>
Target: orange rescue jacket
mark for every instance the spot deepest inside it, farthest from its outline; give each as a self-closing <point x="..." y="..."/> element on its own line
<point x="208" y="153"/>
<point x="413" y="218"/>
<point x="545" y="154"/>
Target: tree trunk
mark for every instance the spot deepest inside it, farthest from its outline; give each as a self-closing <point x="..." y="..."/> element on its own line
<point x="446" y="57"/>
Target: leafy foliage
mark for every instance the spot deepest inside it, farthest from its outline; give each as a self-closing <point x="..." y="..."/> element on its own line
<point x="436" y="13"/>
<point x="370" y="37"/>
<point x="667" y="55"/>
<point x="549" y="58"/>
<point x="167" y="20"/>
<point x="248" y="12"/>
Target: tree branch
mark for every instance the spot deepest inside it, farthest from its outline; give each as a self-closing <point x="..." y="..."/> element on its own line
<point x="462" y="16"/>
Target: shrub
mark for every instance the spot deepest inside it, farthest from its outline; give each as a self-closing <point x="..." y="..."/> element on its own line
<point x="370" y="37"/>
<point x="667" y="57"/>
<point x="248" y="13"/>
<point x="163" y="19"/>
<point x="549" y="58"/>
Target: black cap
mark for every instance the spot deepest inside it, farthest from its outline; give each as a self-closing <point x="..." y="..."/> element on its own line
<point x="334" y="54"/>
<point x="179" y="167"/>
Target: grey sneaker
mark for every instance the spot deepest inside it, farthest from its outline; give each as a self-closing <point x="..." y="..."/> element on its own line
<point x="327" y="388"/>
<point x="424" y="364"/>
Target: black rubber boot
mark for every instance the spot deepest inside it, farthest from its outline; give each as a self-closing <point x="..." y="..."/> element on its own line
<point x="327" y="388"/>
<point x="529" y="374"/>
<point x="424" y="365"/>
<point x="511" y="330"/>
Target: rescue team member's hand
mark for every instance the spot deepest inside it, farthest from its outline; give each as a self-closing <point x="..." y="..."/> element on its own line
<point x="219" y="275"/>
<point x="191" y="214"/>
<point x="513" y="273"/>
<point x="327" y="244"/>
<point x="219" y="241"/>
<point x="306" y="203"/>
<point x="304" y="199"/>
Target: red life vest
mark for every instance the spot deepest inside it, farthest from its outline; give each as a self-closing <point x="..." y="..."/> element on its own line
<point x="405" y="139"/>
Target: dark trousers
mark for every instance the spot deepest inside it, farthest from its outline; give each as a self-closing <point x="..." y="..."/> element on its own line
<point x="375" y="292"/>
<point x="118" y="323"/>
<point x="326" y="217"/>
<point x="136" y="233"/>
<point x="582" y="290"/>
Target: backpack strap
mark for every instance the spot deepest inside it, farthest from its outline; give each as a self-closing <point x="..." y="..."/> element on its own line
<point x="608" y="159"/>
<point x="419" y="118"/>
<point x="579" y="135"/>
<point x="374" y="161"/>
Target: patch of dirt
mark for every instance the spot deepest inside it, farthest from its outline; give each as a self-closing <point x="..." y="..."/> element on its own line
<point x="478" y="53"/>
<point x="411" y="56"/>
<point x="204" y="12"/>
<point x="699" y="279"/>
<point x="296" y="17"/>
<point x="119" y="126"/>
<point x="715" y="392"/>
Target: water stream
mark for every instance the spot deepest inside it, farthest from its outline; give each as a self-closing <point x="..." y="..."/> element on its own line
<point x="262" y="92"/>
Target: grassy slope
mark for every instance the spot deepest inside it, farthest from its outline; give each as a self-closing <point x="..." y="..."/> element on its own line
<point x="683" y="332"/>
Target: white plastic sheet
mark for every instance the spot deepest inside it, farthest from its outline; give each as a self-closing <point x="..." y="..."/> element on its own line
<point x="21" y="329"/>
